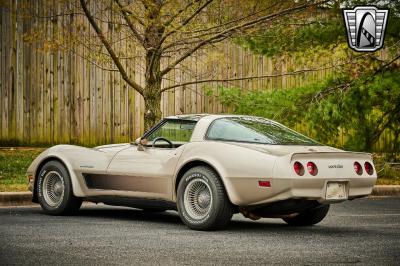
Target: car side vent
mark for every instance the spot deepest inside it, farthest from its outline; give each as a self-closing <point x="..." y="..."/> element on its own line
<point x="88" y="180"/>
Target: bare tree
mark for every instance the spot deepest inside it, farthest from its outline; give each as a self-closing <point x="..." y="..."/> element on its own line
<point x="180" y="28"/>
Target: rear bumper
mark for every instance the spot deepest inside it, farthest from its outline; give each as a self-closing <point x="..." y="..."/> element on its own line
<point x="243" y="191"/>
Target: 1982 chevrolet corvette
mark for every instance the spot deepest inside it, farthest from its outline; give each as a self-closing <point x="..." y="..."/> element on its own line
<point x="207" y="167"/>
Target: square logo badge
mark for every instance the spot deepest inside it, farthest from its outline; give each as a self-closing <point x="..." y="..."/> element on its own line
<point x="365" y="26"/>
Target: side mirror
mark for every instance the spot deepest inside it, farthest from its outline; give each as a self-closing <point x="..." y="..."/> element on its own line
<point x="141" y="143"/>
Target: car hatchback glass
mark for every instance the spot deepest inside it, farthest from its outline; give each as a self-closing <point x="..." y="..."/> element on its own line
<point x="255" y="130"/>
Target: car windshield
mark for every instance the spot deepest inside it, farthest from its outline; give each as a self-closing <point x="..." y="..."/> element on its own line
<point x="255" y="130"/>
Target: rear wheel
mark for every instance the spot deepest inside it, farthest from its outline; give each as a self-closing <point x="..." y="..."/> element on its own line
<point x="309" y="217"/>
<point x="202" y="200"/>
<point x="55" y="190"/>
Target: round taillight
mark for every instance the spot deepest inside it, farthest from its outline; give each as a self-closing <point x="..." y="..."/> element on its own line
<point x="358" y="168"/>
<point x="298" y="168"/>
<point x="312" y="168"/>
<point x="368" y="168"/>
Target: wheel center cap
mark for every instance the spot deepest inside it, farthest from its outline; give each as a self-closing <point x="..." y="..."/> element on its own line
<point x="58" y="188"/>
<point x="204" y="199"/>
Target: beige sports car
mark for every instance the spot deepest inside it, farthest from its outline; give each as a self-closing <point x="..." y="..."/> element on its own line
<point x="207" y="167"/>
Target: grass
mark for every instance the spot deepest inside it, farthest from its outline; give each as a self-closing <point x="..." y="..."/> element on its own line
<point x="15" y="161"/>
<point x="13" y="165"/>
<point x="388" y="174"/>
<point x="388" y="169"/>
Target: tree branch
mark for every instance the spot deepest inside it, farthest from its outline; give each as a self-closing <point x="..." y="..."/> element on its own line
<point x="137" y="35"/>
<point x="180" y="11"/>
<point x="224" y="34"/>
<point x="344" y="86"/>
<point x="293" y="73"/>
<point x="186" y="21"/>
<point x="114" y="57"/>
<point x="229" y="22"/>
<point x="90" y="61"/>
<point x="387" y="64"/>
<point x="135" y="17"/>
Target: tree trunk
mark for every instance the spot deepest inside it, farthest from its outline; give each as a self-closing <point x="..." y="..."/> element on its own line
<point x="152" y="92"/>
<point x="152" y="103"/>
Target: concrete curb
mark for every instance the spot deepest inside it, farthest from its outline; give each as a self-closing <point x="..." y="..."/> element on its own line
<point x="25" y="198"/>
<point x="15" y="198"/>
<point x="386" y="190"/>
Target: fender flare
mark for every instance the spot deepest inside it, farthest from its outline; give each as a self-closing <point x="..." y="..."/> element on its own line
<point x="76" y="186"/>
<point x="201" y="161"/>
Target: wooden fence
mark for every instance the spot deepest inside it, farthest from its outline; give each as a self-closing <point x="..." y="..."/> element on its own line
<point x="53" y="96"/>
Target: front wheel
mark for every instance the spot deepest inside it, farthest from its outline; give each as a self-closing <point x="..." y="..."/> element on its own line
<point x="309" y="217"/>
<point x="55" y="190"/>
<point x="202" y="200"/>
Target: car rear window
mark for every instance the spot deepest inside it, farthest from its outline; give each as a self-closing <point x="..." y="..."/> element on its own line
<point x="255" y="130"/>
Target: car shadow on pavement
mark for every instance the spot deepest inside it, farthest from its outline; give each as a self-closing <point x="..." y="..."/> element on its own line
<point x="269" y="225"/>
<point x="171" y="218"/>
<point x="131" y="214"/>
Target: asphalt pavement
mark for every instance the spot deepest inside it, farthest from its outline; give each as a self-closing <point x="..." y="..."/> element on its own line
<point x="362" y="232"/>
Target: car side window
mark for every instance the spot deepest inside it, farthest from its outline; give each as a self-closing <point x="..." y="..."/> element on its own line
<point x="176" y="131"/>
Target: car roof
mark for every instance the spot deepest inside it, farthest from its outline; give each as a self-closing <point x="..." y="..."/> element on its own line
<point x="197" y="117"/>
<point x="191" y="117"/>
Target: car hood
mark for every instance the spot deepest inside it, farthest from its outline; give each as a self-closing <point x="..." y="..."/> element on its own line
<point x="282" y="150"/>
<point x="112" y="148"/>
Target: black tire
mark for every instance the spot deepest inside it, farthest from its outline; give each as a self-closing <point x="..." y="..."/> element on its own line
<point x="309" y="217"/>
<point x="218" y="212"/>
<point x="66" y="202"/>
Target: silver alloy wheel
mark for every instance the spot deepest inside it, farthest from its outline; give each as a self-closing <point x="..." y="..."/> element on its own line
<point x="197" y="199"/>
<point x="53" y="188"/>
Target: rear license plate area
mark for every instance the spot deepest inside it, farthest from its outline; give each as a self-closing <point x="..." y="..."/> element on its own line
<point x="336" y="191"/>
